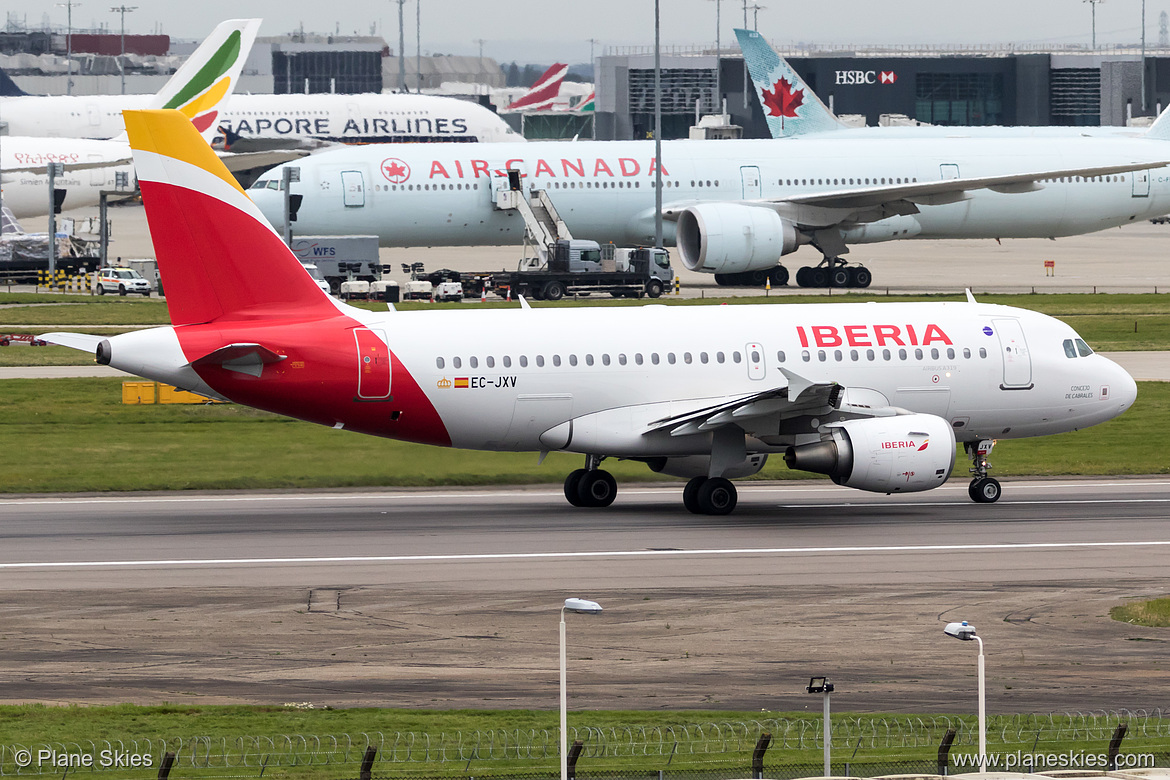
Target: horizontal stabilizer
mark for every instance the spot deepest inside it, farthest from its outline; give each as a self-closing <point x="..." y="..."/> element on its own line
<point x="242" y="358"/>
<point x="86" y="342"/>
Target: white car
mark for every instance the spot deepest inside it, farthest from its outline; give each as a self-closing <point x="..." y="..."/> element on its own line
<point x="122" y="281"/>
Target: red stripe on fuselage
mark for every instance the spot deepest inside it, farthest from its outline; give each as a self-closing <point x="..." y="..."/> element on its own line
<point x="318" y="379"/>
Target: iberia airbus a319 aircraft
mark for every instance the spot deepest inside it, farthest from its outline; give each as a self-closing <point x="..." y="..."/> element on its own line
<point x="874" y="395"/>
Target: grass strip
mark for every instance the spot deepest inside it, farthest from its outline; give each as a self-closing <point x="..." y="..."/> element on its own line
<point x="1154" y="613"/>
<point x="75" y="435"/>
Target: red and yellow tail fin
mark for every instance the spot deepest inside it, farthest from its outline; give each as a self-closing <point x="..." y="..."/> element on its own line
<point x="217" y="255"/>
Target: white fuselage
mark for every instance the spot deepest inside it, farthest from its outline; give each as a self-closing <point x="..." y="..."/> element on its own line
<point x="443" y="195"/>
<point x="27" y="192"/>
<point x="367" y="118"/>
<point x="512" y="379"/>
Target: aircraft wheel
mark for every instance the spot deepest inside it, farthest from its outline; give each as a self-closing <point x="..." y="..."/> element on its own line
<point x="756" y="278"/>
<point x="840" y="277"/>
<point x="717" y="496"/>
<point x="101" y="290"/>
<point x="572" y="483"/>
<point x="691" y="495"/>
<point x="553" y="291"/>
<point x="802" y="276"/>
<point x="778" y="276"/>
<point x="723" y="279"/>
<point x="860" y="277"/>
<point x="818" y="277"/>
<point x="597" y="489"/>
<point x="984" y="490"/>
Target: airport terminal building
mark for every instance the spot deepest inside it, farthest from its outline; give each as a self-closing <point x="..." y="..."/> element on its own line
<point x="976" y="86"/>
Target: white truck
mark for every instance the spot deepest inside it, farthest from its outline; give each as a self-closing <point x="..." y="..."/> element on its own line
<point x="341" y="258"/>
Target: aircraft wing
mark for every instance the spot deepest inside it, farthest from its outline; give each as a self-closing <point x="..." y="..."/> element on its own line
<point x="246" y="161"/>
<point x="832" y="207"/>
<point x="800" y="397"/>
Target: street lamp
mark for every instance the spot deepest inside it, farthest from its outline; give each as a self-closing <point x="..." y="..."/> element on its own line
<point x="585" y="607"/>
<point x="123" y="10"/>
<point x="822" y="685"/>
<point x="966" y="632"/>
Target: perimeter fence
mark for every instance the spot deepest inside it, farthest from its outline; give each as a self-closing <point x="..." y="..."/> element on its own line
<point x="862" y="745"/>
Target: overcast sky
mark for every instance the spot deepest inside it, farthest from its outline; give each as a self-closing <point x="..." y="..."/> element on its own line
<point x="542" y="30"/>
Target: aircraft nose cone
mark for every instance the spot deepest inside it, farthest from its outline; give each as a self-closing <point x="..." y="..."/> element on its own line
<point x="271" y="205"/>
<point x="1123" y="387"/>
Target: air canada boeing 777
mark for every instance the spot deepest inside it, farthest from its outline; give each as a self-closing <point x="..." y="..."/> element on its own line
<point x="874" y="395"/>
<point x="734" y="208"/>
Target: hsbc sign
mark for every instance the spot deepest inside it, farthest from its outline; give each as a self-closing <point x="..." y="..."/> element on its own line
<point x="866" y="77"/>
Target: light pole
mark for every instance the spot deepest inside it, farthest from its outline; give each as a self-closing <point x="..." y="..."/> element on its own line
<point x="585" y="607"/>
<point x="123" y="10"/>
<point x="657" y="131"/>
<point x="718" y="94"/>
<point x="966" y="632"/>
<point x="401" y="49"/>
<point x="822" y="685"/>
<point x="69" y="43"/>
<point x="1093" y="5"/>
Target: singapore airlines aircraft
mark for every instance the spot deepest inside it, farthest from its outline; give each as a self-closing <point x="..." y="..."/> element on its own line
<point x="735" y="207"/>
<point x="261" y="122"/>
<point x="198" y="88"/>
<point x="792" y="109"/>
<point x="874" y="395"/>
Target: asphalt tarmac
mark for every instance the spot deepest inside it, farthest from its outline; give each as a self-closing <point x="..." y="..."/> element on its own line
<point x="449" y="598"/>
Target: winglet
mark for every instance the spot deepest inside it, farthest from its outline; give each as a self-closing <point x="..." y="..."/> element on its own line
<point x="790" y="107"/>
<point x="218" y="256"/>
<point x="210" y="74"/>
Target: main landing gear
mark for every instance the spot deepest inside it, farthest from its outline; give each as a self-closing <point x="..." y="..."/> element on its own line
<point x="983" y="489"/>
<point x="832" y="272"/>
<point x="777" y="276"/>
<point x="710" y="496"/>
<point x="591" y="486"/>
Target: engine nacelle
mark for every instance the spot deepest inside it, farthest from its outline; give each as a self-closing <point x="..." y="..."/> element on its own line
<point x="700" y="465"/>
<point x="906" y="453"/>
<point x="728" y="238"/>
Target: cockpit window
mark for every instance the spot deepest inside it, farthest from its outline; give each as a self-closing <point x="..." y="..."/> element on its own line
<point x="1084" y="348"/>
<point x="261" y="184"/>
<point x="1070" y="349"/>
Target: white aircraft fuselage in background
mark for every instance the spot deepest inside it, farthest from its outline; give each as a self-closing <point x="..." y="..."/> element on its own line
<point x="293" y="118"/>
<point x="443" y="194"/>
<point x="26" y="192"/>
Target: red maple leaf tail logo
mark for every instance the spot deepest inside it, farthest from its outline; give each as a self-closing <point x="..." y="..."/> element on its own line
<point x="782" y="100"/>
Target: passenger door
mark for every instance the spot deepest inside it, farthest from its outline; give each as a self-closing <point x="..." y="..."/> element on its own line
<point x="373" y="364"/>
<point x="1141" y="184"/>
<point x="1017" y="362"/>
<point x="750" y="177"/>
<point x="353" y="189"/>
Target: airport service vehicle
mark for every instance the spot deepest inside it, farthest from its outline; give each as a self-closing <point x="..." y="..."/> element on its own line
<point x="197" y="89"/>
<point x="738" y="206"/>
<point x="576" y="267"/>
<point x="449" y="292"/>
<point x="340" y="258"/>
<point x="874" y="395"/>
<point x="121" y="281"/>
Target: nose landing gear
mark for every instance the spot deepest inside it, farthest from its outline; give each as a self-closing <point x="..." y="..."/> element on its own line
<point x="591" y="486"/>
<point x="983" y="489"/>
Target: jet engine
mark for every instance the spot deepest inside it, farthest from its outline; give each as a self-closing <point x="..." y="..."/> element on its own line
<point x="900" y="454"/>
<point x="700" y="465"/>
<point x="728" y="238"/>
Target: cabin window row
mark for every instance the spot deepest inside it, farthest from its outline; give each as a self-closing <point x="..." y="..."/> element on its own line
<point x="590" y="185"/>
<point x="855" y="355"/>
<point x="604" y="359"/>
<point x="436" y="187"/>
<point x="1084" y="179"/>
<point x="844" y="182"/>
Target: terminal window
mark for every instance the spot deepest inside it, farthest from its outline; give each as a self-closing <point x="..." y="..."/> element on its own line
<point x="959" y="98"/>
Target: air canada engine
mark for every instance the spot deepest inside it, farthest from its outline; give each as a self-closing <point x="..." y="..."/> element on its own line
<point x="727" y="238"/>
<point x="906" y="453"/>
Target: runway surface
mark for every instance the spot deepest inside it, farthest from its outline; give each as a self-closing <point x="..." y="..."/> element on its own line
<point x="450" y="597"/>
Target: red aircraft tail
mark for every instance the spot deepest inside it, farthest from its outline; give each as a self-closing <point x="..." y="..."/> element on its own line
<point x="542" y="94"/>
<point x="218" y="257"/>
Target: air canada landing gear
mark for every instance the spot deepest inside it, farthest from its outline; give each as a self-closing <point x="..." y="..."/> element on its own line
<point x="983" y="489"/>
<point x="777" y="276"/>
<point x="710" y="496"/>
<point x="832" y="272"/>
<point x="590" y="487"/>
